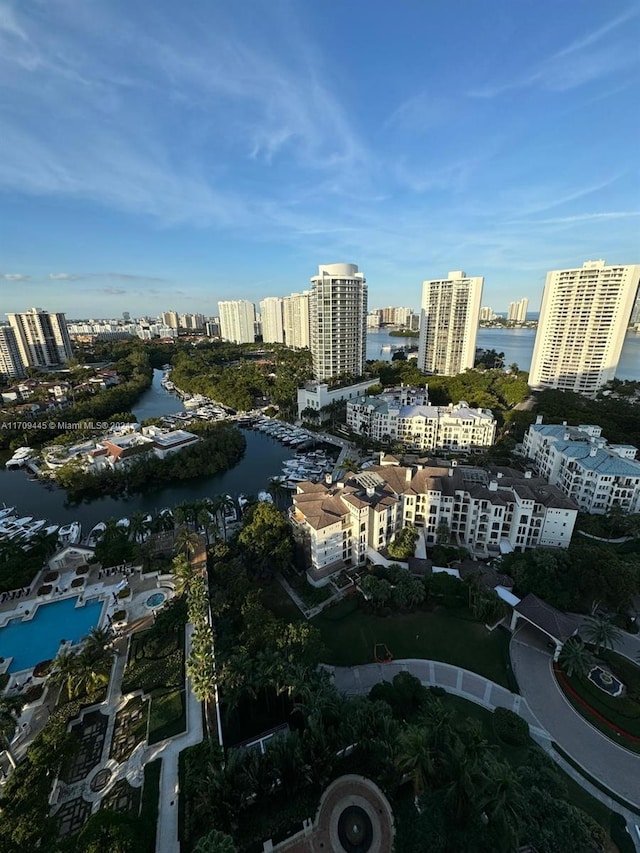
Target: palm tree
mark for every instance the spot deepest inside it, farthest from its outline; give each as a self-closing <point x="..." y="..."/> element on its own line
<point x="276" y="489"/>
<point x="349" y="464"/>
<point x="96" y="642"/>
<point x="416" y="757"/>
<point x="137" y="526"/>
<point x="503" y="806"/>
<point x="600" y="631"/>
<point x="183" y="574"/>
<point x="64" y="672"/>
<point x="285" y="752"/>
<point x="10" y="710"/>
<point x="187" y="541"/>
<point x="575" y="658"/>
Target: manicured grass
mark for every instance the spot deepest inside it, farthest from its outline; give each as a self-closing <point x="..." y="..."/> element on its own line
<point x="154" y="662"/>
<point x="518" y="756"/>
<point x="438" y="635"/>
<point x="167" y="716"/>
<point x="149" y="805"/>
<point x="277" y="600"/>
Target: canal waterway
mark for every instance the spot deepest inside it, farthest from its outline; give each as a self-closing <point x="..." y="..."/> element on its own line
<point x="262" y="460"/>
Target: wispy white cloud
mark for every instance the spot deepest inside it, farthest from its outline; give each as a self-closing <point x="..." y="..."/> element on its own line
<point x="117" y="276"/>
<point x="580" y="218"/>
<point x="582" y="61"/>
<point x="14" y="276"/>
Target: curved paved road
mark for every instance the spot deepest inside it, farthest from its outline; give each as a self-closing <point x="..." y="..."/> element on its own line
<point x="614" y="766"/>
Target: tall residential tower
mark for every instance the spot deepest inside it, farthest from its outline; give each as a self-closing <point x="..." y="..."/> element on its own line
<point x="237" y="318"/>
<point x="271" y="317"/>
<point x="295" y="309"/>
<point x="517" y="312"/>
<point x="449" y="323"/>
<point x="338" y="321"/>
<point x="583" y="319"/>
<point x="42" y="338"/>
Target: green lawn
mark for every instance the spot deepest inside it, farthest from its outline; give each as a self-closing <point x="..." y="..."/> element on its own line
<point x="277" y="600"/>
<point x="350" y="638"/>
<point x="517" y="757"/>
<point x="167" y="716"/>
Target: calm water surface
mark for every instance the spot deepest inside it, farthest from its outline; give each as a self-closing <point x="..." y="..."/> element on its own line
<point x="516" y="344"/>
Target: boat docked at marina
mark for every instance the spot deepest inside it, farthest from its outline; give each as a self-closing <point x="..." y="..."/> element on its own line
<point x="70" y="534"/>
<point x="21" y="456"/>
<point x="96" y="532"/>
<point x="5" y="512"/>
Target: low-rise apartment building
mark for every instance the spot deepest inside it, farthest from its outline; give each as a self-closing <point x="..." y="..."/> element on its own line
<point x="487" y="512"/>
<point x="580" y="462"/>
<point x="405" y="415"/>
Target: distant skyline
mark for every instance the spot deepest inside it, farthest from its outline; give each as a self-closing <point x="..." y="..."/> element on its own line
<point x="157" y="156"/>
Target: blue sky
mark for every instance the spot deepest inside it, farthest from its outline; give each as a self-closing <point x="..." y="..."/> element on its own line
<point x="165" y="154"/>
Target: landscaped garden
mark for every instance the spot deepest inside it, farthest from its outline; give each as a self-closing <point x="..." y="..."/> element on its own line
<point x="616" y="716"/>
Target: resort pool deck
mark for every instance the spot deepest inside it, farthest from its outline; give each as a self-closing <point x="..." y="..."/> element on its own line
<point x="32" y="640"/>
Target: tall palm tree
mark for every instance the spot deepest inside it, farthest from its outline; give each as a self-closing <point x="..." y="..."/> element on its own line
<point x="137" y="526"/>
<point x="600" y="631"/>
<point x="64" y="672"/>
<point x="184" y="574"/>
<point x="286" y="759"/>
<point x="10" y="710"/>
<point x="96" y="642"/>
<point x="575" y="658"/>
<point x="416" y="757"/>
<point x="503" y="806"/>
<point x="187" y="541"/>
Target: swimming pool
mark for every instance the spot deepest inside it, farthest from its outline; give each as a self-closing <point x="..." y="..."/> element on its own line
<point x="156" y="599"/>
<point x="39" y="638"/>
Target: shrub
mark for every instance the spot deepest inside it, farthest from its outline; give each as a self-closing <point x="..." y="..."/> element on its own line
<point x="76" y="582"/>
<point x="45" y="590"/>
<point x="124" y="593"/>
<point x="50" y="577"/>
<point x="33" y="693"/>
<point x="41" y="669"/>
<point x="82" y="570"/>
<point x="437" y="692"/>
<point x="120" y="616"/>
<point x="510" y="728"/>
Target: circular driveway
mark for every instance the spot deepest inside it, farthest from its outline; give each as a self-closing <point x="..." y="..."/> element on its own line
<point x="602" y="758"/>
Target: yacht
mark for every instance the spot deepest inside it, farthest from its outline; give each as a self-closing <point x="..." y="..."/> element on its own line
<point x="69" y="534"/>
<point x="230" y="512"/>
<point x="50" y="529"/>
<point x="20" y="457"/>
<point x="265" y="497"/>
<point x="95" y="534"/>
<point x="5" y="512"/>
<point x="123" y="522"/>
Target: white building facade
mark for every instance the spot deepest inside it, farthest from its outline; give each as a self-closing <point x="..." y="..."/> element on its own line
<point x="237" y="318"/>
<point x="487" y="512"/>
<point x="405" y="415"/>
<point x="272" y="320"/>
<point x="583" y="320"/>
<point x="449" y="323"/>
<point x="10" y="359"/>
<point x="42" y="338"/>
<point x="578" y="460"/>
<point x="338" y="321"/>
<point x="295" y="312"/>
<point x="517" y="312"/>
<point x="318" y="395"/>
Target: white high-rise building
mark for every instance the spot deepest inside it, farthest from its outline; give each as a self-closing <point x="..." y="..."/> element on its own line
<point x="517" y="312"/>
<point x="449" y="323"/>
<point x="295" y="311"/>
<point x="583" y="319"/>
<point x="42" y="338"/>
<point x="170" y="319"/>
<point x="237" y="318"/>
<point x="486" y="314"/>
<point x="338" y="321"/>
<point x="271" y="316"/>
<point x="10" y="360"/>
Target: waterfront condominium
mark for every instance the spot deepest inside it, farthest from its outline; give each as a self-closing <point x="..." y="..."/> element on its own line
<point x="338" y="321"/>
<point x="10" y="361"/>
<point x="237" y="318"/>
<point x="272" y="320"/>
<point x="449" y="323"/>
<point x="42" y="338"/>
<point x="295" y="311"/>
<point x="517" y="312"/>
<point x="583" y="319"/>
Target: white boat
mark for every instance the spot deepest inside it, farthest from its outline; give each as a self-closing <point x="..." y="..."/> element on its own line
<point x="33" y="526"/>
<point x="20" y="457"/>
<point x="95" y="534"/>
<point x="230" y="511"/>
<point x="50" y="529"/>
<point x="123" y="522"/>
<point x="5" y="512"/>
<point x="265" y="497"/>
<point x="69" y="534"/>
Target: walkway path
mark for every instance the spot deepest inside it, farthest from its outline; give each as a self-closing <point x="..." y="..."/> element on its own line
<point x="542" y="723"/>
<point x="461" y="682"/>
<point x="616" y="767"/>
